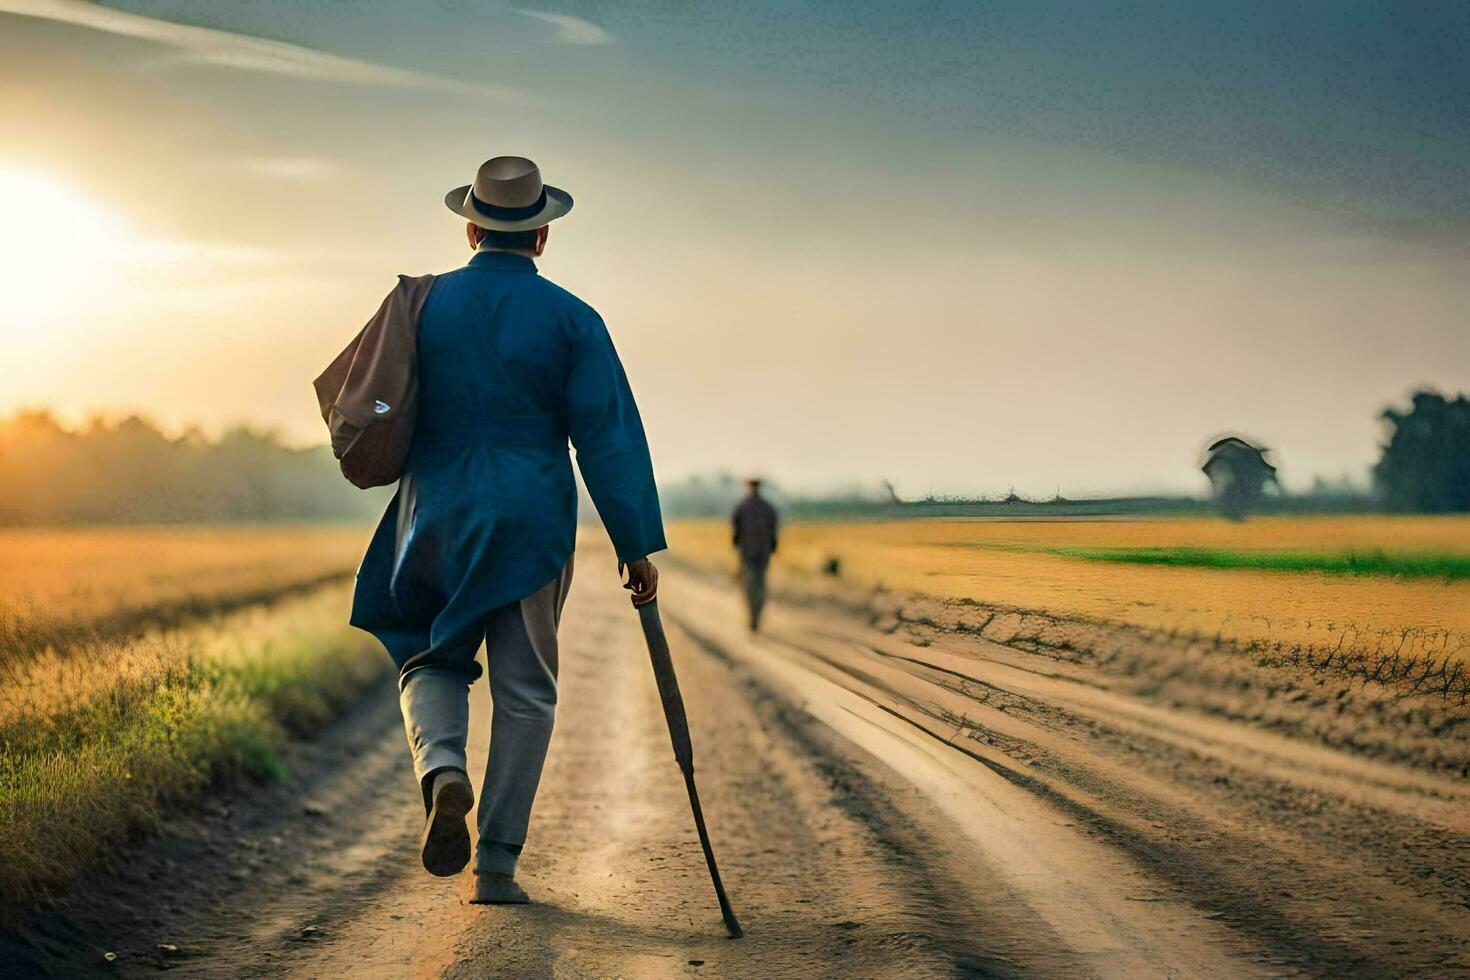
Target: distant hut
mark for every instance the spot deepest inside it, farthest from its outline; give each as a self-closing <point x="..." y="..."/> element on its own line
<point x="1239" y="475"/>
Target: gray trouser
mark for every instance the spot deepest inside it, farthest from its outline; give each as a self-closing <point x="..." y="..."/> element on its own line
<point x="434" y="689"/>
<point x="753" y="574"/>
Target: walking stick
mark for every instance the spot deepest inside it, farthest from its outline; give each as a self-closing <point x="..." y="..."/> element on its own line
<point x="668" y="691"/>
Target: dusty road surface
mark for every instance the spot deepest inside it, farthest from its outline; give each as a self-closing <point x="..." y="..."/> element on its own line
<point x="882" y="803"/>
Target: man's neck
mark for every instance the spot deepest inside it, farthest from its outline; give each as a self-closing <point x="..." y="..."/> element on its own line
<point x="509" y="251"/>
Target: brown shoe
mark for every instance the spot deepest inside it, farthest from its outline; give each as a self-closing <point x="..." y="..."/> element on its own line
<point x="446" y="837"/>
<point x="495" y="888"/>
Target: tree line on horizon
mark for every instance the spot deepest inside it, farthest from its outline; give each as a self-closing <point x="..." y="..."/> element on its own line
<point x="128" y="470"/>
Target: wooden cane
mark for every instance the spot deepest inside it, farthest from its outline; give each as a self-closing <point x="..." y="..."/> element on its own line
<point x="668" y="692"/>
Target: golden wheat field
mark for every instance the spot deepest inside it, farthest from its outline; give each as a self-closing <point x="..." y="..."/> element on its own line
<point x="1001" y="562"/>
<point x="90" y="573"/>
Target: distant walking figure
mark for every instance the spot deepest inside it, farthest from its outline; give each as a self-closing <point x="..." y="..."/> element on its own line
<point x="476" y="546"/>
<point x="754" y="525"/>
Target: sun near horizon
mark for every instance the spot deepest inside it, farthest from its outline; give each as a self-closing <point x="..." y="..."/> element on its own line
<point x="50" y="227"/>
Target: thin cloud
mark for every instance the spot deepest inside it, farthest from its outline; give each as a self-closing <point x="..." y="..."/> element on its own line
<point x="215" y="256"/>
<point x="206" y="45"/>
<point x="569" y="29"/>
<point x="293" y="168"/>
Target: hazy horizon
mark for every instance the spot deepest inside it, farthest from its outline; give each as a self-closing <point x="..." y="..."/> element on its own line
<point x="961" y="249"/>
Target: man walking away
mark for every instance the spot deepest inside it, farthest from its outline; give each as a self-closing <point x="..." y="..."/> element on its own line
<point x="754" y="525"/>
<point x="476" y="546"/>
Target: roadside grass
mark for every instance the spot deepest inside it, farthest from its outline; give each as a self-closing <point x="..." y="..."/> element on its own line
<point x="22" y="631"/>
<point x="1446" y="567"/>
<point x="99" y="740"/>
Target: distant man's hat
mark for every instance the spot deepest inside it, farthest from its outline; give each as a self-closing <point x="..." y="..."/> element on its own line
<point x="508" y="195"/>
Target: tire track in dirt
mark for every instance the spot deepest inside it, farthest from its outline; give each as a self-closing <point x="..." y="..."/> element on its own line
<point x="1089" y="896"/>
<point x="1275" y="839"/>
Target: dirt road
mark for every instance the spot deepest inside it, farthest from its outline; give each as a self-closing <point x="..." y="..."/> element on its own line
<point x="883" y="804"/>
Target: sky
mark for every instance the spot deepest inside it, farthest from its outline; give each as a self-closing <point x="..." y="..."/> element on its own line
<point x="963" y="247"/>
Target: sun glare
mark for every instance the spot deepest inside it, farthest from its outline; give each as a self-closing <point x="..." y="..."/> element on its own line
<point x="49" y="234"/>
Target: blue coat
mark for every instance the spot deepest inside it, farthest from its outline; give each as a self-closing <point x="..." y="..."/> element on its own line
<point x="510" y="367"/>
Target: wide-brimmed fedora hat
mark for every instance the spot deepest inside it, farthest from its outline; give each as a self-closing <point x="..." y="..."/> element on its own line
<point x="508" y="195"/>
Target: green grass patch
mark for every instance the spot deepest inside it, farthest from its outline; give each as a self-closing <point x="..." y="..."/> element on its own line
<point x="1449" y="568"/>
<point x="217" y="708"/>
